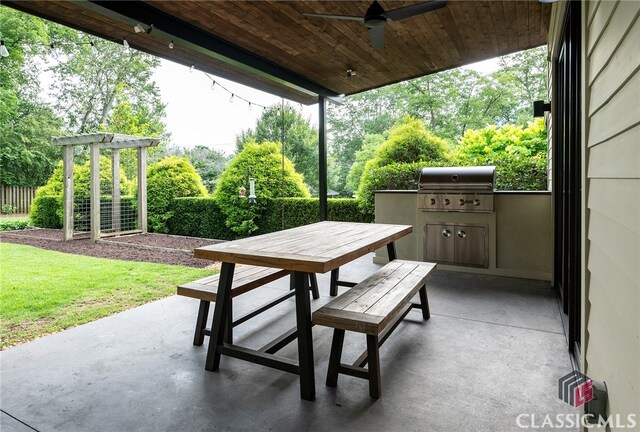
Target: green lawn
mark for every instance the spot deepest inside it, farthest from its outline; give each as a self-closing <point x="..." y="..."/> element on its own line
<point x="42" y="292"/>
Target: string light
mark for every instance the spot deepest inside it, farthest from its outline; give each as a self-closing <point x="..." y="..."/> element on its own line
<point x="171" y="45"/>
<point x="232" y="95"/>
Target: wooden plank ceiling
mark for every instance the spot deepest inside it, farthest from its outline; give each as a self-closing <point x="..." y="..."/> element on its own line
<point x="315" y="49"/>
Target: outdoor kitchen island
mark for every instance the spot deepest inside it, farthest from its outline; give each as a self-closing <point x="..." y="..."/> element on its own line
<point x="518" y="232"/>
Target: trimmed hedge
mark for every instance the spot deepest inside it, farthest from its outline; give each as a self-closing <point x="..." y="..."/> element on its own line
<point x="202" y="217"/>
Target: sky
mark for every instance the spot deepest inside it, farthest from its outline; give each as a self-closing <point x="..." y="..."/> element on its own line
<point x="197" y="114"/>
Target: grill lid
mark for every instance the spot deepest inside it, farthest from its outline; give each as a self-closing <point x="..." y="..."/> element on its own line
<point x="457" y="178"/>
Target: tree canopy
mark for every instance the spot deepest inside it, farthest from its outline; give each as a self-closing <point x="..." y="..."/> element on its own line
<point x="282" y="123"/>
<point x="109" y="88"/>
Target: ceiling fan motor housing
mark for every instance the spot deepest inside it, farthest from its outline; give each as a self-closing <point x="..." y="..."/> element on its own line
<point x="375" y="16"/>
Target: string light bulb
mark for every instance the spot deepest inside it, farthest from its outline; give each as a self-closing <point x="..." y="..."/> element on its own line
<point x="191" y="68"/>
<point x="249" y="106"/>
<point x="93" y="47"/>
<point x="3" y="49"/>
<point x="231" y="98"/>
<point x="213" y="85"/>
<point x="171" y="45"/>
<point x="125" y="43"/>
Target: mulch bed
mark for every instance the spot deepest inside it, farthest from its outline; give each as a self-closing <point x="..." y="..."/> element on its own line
<point x="138" y="247"/>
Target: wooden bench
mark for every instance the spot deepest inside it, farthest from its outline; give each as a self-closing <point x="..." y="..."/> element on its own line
<point x="245" y="279"/>
<point x="375" y="307"/>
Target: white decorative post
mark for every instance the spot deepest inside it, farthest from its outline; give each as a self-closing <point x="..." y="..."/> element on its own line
<point x="94" y="166"/>
<point x="142" y="189"/>
<point x="67" y="185"/>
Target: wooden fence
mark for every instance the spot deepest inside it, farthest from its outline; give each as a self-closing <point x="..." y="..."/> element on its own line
<point x="19" y="197"/>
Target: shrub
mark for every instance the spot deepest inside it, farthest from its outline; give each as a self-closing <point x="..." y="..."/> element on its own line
<point x="519" y="154"/>
<point x="167" y="179"/>
<point x="8" y="209"/>
<point x="10" y="225"/>
<point x="81" y="180"/>
<point x="263" y="163"/>
<point x="410" y="141"/>
<point x="46" y="211"/>
<point x="398" y="160"/>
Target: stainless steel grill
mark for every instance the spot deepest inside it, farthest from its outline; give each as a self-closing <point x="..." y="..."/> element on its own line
<point x="456" y="189"/>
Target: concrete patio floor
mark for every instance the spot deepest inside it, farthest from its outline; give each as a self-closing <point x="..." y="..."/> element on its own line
<point x="493" y="349"/>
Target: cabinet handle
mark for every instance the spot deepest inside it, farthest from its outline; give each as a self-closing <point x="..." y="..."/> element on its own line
<point x="462" y="234"/>
<point x="446" y="233"/>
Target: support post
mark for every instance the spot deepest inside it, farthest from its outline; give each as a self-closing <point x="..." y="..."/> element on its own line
<point x="322" y="157"/>
<point x="115" y="190"/>
<point x="142" y="189"/>
<point x="67" y="182"/>
<point x="94" y="166"/>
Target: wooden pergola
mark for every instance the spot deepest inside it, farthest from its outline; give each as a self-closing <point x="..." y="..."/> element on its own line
<point x="97" y="142"/>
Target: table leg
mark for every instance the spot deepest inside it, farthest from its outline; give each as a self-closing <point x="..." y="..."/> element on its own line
<point x="333" y="285"/>
<point x="305" y="337"/>
<point x="391" y="251"/>
<point x="220" y="316"/>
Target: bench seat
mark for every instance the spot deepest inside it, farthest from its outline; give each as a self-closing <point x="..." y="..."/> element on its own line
<point x="374" y="307"/>
<point x="245" y="279"/>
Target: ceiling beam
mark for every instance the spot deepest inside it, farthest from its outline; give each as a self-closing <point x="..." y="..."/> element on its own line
<point x="171" y="28"/>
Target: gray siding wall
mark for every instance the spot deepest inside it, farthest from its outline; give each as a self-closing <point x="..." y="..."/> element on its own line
<point x="611" y="55"/>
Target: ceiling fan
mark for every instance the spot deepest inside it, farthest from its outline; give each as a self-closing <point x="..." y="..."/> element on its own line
<point x="375" y="19"/>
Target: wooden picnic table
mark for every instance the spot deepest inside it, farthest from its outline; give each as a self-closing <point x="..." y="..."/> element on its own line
<point x="315" y="248"/>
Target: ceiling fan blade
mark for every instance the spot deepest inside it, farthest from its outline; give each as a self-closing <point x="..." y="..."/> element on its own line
<point x="376" y="34"/>
<point x="409" y="11"/>
<point x="340" y="17"/>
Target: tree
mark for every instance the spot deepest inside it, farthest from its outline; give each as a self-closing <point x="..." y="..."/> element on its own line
<point x="371" y="112"/>
<point x="209" y="163"/>
<point x="370" y="145"/>
<point x="26" y="123"/>
<point x="284" y="124"/>
<point x="89" y="84"/>
<point x="263" y="162"/>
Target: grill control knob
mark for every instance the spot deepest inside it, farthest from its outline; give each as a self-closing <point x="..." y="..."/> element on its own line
<point x="432" y="201"/>
<point x="461" y="201"/>
<point x="476" y="202"/>
<point x="446" y="201"/>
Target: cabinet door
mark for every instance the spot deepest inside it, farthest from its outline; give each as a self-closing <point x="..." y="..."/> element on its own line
<point x="439" y="243"/>
<point x="471" y="245"/>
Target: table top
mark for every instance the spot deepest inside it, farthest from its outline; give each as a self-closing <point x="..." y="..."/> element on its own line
<point x="315" y="248"/>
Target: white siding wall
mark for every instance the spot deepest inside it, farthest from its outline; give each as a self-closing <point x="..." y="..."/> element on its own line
<point x="611" y="54"/>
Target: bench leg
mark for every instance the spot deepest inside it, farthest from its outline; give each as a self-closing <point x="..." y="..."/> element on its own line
<point x="333" y="286"/>
<point x="373" y="358"/>
<point x="391" y="251"/>
<point x="313" y="282"/>
<point x="426" y="314"/>
<point x="201" y="322"/>
<point x="335" y="357"/>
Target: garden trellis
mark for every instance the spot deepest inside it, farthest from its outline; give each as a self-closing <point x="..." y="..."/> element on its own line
<point x="119" y="223"/>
